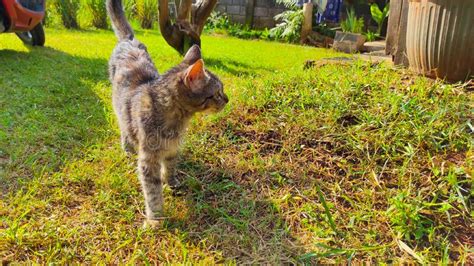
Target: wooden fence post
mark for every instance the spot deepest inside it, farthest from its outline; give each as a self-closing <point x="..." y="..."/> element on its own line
<point x="397" y="32"/>
<point x="307" y="26"/>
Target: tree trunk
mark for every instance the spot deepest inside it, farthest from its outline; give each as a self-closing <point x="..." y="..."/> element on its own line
<point x="190" y="20"/>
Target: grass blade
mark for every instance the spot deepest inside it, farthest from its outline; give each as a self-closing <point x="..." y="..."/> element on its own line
<point x="326" y="209"/>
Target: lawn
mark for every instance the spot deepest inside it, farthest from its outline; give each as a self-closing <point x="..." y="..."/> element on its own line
<point x="345" y="161"/>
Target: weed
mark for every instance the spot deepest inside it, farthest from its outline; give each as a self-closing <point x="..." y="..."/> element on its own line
<point x="146" y="12"/>
<point x="352" y="23"/>
<point x="94" y="13"/>
<point x="67" y="10"/>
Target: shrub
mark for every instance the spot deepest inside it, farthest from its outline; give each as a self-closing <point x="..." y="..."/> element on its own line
<point x="146" y="12"/>
<point x="94" y="13"/>
<point x="371" y="36"/>
<point x="217" y="20"/>
<point x="291" y="22"/>
<point x="67" y="10"/>
<point x="244" y="32"/>
<point x="352" y="23"/>
<point x="290" y="27"/>
<point x="290" y="4"/>
<point x="219" y="23"/>
<point x="129" y="8"/>
<point x="325" y="30"/>
<point x="52" y="17"/>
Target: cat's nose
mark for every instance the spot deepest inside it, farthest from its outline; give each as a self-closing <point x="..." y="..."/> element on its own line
<point x="226" y="99"/>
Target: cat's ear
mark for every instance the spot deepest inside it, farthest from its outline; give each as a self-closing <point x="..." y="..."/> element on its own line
<point x="193" y="54"/>
<point x="195" y="75"/>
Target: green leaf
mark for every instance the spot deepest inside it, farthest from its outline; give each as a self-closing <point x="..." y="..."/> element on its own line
<point x="386" y="10"/>
<point x="352" y="23"/>
<point x="377" y="15"/>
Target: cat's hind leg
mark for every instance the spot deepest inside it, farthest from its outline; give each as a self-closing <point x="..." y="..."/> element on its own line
<point x="127" y="145"/>
<point x="168" y="171"/>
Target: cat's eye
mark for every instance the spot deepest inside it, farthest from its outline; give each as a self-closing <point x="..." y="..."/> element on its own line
<point x="207" y="99"/>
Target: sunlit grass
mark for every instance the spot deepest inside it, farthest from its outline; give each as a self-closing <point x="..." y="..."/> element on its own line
<point x="344" y="161"/>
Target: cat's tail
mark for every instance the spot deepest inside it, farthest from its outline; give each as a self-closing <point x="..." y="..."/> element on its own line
<point x="119" y="22"/>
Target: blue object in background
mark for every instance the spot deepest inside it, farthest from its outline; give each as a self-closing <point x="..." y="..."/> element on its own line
<point x="331" y="13"/>
<point x="300" y="3"/>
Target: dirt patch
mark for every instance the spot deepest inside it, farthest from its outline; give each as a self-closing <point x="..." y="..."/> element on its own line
<point x="266" y="142"/>
<point x="348" y="120"/>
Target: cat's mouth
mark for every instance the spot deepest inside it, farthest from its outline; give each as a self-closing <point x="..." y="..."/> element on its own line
<point x="213" y="105"/>
<point x="214" y="109"/>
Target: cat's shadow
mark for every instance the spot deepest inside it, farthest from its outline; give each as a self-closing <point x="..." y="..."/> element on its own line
<point x="228" y="211"/>
<point x="235" y="68"/>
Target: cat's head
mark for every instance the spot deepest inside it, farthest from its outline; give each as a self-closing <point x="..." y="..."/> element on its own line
<point x="199" y="88"/>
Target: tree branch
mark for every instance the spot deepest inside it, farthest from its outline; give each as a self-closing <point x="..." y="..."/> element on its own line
<point x="201" y="11"/>
<point x="186" y="31"/>
<point x="164" y="18"/>
<point x="184" y="10"/>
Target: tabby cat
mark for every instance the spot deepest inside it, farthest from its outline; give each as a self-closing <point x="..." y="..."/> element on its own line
<point x="153" y="110"/>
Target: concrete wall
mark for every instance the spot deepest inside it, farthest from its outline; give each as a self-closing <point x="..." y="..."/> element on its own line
<point x="263" y="11"/>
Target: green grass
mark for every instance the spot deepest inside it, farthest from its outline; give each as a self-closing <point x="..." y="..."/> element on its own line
<point x="343" y="162"/>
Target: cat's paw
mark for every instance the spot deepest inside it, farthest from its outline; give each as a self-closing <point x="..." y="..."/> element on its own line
<point x="177" y="192"/>
<point x="174" y="183"/>
<point x="152" y="223"/>
<point x="128" y="147"/>
<point x="177" y="188"/>
<point x="129" y="150"/>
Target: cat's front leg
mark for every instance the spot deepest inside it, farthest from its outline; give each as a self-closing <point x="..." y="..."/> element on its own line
<point x="149" y="174"/>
